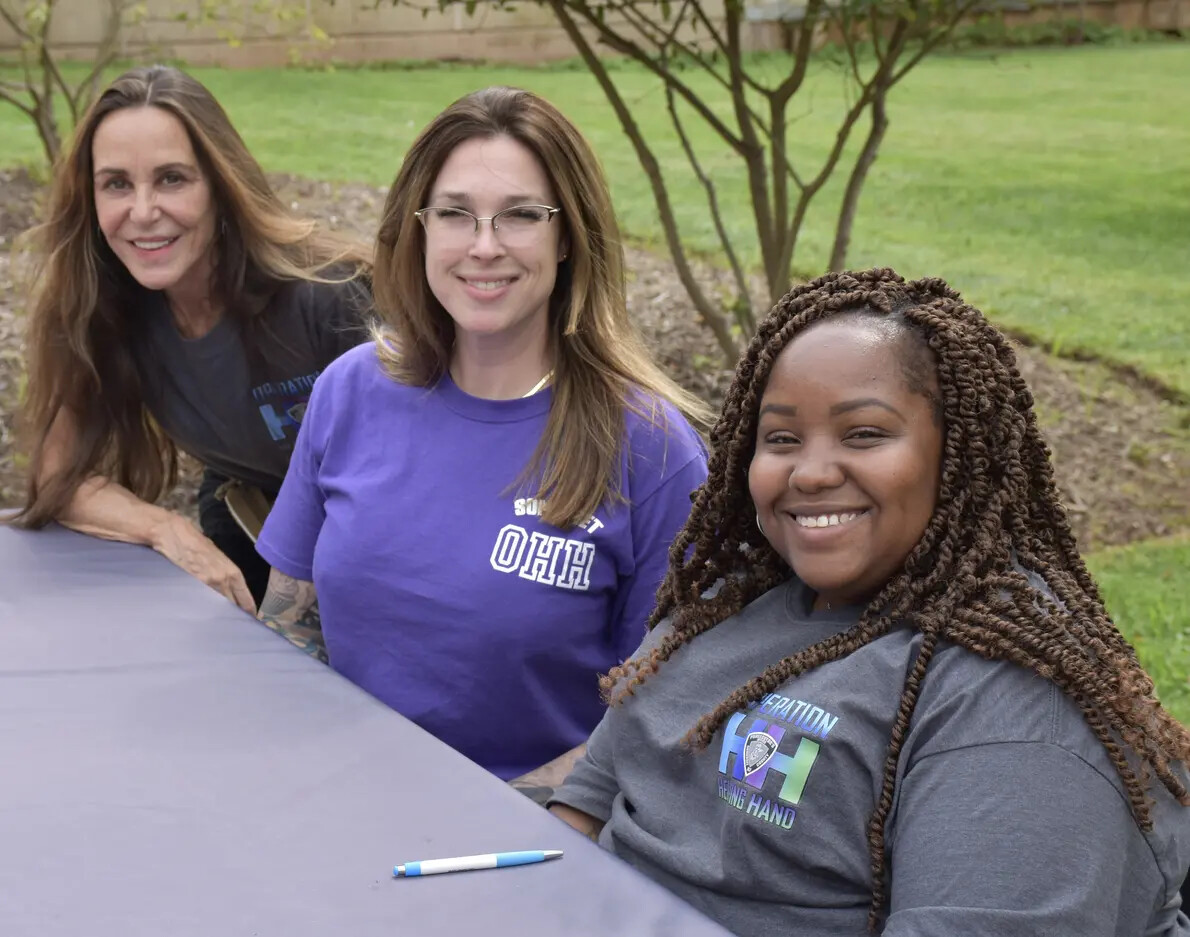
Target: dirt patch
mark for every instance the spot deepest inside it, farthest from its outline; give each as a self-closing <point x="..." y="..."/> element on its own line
<point x="1122" y="452"/>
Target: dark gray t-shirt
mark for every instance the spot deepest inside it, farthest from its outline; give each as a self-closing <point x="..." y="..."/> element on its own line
<point x="1008" y="817"/>
<point x="238" y="412"/>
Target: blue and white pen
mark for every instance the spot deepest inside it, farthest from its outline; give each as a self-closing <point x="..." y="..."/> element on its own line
<point x="493" y="860"/>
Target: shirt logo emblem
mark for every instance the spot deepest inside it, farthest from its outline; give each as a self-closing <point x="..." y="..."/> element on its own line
<point x="758" y="749"/>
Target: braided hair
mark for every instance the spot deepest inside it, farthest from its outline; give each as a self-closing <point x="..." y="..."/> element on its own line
<point x="997" y="510"/>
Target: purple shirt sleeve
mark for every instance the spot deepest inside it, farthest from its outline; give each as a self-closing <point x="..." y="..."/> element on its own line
<point x="656" y="521"/>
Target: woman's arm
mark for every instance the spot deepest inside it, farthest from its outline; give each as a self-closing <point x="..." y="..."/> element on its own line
<point x="1023" y="838"/>
<point x="584" y="800"/>
<point x="102" y="508"/>
<point x="289" y="609"/>
<point x="540" y="783"/>
<point x="583" y="822"/>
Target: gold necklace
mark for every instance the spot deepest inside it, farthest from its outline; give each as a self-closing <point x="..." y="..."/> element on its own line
<point x="540" y="384"/>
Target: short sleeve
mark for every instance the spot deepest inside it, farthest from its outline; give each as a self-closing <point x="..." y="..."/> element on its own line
<point x="290" y="532"/>
<point x="1016" y="838"/>
<point x="657" y="518"/>
<point x="591" y="786"/>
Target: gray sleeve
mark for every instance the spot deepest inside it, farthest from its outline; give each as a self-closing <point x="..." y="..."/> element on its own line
<point x="591" y="786"/>
<point x="1016" y="838"/>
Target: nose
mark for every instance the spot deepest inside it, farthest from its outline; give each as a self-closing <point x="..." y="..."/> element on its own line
<point x="144" y="206"/>
<point x="485" y="243"/>
<point x="817" y="469"/>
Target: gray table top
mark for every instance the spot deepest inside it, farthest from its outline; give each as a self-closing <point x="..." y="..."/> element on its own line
<point x="170" y="767"/>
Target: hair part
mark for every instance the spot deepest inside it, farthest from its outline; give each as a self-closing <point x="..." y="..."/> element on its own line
<point x="998" y="509"/>
<point x="601" y="364"/>
<point x="80" y="333"/>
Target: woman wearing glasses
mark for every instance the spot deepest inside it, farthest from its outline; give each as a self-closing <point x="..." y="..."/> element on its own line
<point x="484" y="497"/>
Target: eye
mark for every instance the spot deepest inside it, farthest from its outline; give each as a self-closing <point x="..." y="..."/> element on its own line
<point x="172" y="178"/>
<point x="781" y="437"/>
<point x="452" y="216"/>
<point x="865" y="435"/>
<point x="525" y="214"/>
<point x="115" y="183"/>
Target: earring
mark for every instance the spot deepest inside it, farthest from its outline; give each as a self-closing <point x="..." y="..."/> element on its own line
<point x="759" y="526"/>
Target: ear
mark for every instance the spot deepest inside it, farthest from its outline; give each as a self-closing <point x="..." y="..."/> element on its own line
<point x="563" y="248"/>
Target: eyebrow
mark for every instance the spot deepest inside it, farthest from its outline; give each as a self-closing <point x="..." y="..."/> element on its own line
<point x="848" y="405"/>
<point x="780" y="409"/>
<point x="165" y="167"/>
<point x="508" y="202"/>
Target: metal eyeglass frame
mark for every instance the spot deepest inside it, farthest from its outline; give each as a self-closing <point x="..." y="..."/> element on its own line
<point x="420" y="215"/>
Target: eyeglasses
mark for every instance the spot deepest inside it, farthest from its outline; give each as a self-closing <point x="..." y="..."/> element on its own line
<point x="518" y="226"/>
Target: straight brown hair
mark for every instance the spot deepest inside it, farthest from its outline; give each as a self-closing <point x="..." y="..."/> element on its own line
<point x="601" y="365"/>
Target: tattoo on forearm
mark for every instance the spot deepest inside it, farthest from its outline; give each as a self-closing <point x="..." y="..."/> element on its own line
<point x="286" y="598"/>
<point x="290" y="608"/>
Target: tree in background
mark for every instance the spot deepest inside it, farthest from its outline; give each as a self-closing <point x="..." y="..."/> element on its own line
<point x="43" y="82"/>
<point x="876" y="42"/>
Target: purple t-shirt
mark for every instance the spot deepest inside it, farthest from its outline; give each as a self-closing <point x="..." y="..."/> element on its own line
<point x="441" y="591"/>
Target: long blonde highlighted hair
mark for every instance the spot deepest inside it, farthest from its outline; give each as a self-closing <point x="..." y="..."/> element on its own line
<point x="80" y="334"/>
<point x="601" y="365"/>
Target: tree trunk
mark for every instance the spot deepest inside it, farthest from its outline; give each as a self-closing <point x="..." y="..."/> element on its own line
<point x="855" y="184"/>
<point x="47" y="129"/>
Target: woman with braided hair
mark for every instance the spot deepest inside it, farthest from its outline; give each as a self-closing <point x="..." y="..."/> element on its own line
<point x="881" y="692"/>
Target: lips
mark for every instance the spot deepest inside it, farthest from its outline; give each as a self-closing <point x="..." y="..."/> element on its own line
<point x="488" y="284"/>
<point x="153" y="244"/>
<point x="827" y="520"/>
<point x="826" y="517"/>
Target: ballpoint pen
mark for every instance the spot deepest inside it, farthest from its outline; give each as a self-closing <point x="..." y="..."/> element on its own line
<point x="492" y="860"/>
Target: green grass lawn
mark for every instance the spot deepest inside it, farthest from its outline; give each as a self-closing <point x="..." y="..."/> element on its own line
<point x="1144" y="589"/>
<point x="1050" y="186"/>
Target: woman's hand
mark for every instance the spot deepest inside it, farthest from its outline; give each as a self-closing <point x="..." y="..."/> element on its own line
<point x="181" y="542"/>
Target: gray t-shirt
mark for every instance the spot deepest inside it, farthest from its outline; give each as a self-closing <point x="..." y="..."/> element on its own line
<point x="1008" y="817"/>
<point x="239" y="412"/>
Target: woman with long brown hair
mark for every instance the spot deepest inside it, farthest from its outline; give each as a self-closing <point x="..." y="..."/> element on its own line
<point x="484" y="497"/>
<point x="881" y="693"/>
<point x="178" y="305"/>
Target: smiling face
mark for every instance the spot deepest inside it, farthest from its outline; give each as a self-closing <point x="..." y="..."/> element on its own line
<point x="846" y="468"/>
<point x="489" y="285"/>
<point x="152" y="200"/>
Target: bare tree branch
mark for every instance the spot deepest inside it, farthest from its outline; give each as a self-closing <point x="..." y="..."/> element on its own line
<point x="753" y="154"/>
<point x="801" y="53"/>
<point x="744" y="314"/>
<point x="847" y="29"/>
<point x="713" y="319"/>
<point x="50" y="68"/>
<point x="855" y="182"/>
<point x="13" y="86"/>
<point x="874" y="28"/>
<point x="721" y="45"/>
<point x="961" y="9"/>
<point x="782" y="170"/>
<point x="617" y="42"/>
<point x="709" y="26"/>
<point x="104" y="55"/>
<point x="7" y="95"/>
<point x="14" y="24"/>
